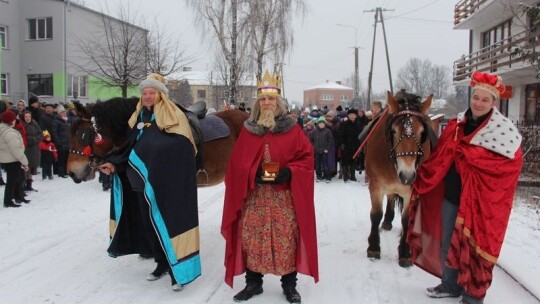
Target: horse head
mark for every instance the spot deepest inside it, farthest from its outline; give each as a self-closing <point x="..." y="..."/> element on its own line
<point x="407" y="133"/>
<point x="87" y="146"/>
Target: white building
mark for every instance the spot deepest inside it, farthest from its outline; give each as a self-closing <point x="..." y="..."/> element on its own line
<point x="497" y="29"/>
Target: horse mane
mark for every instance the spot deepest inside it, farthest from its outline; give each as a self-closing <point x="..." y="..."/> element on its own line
<point x="408" y="101"/>
<point x="112" y="115"/>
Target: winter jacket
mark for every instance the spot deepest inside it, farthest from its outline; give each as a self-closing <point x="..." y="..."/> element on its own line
<point x="321" y="139"/>
<point x="48" y="148"/>
<point x="34" y="136"/>
<point x="11" y="146"/>
<point x="60" y="133"/>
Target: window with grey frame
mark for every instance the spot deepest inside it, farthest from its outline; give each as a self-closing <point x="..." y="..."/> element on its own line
<point x="4" y="84"/>
<point x="40" y="84"/>
<point x="79" y="85"/>
<point x="3" y="37"/>
<point x="40" y="28"/>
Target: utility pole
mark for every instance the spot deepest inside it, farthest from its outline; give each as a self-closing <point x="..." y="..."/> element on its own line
<point x="279" y="71"/>
<point x="378" y="11"/>
<point x="356" y="96"/>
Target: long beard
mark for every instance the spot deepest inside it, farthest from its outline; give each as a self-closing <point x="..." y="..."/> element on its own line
<point x="267" y="119"/>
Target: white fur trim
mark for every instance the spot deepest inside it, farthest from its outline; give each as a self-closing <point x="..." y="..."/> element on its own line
<point x="498" y="135"/>
<point x="152" y="83"/>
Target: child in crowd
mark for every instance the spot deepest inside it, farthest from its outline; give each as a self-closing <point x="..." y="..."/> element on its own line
<point x="48" y="155"/>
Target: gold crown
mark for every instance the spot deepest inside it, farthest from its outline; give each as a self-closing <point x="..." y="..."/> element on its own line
<point x="269" y="85"/>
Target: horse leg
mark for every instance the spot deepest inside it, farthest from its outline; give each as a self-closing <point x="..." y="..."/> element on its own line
<point x="376" y="214"/>
<point x="390" y="212"/>
<point x="404" y="251"/>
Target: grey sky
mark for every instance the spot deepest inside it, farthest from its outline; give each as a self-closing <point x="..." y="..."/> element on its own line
<point x="322" y="50"/>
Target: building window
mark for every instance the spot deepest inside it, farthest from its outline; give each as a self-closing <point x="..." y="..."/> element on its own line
<point x="40" y="84"/>
<point x="532" y="106"/>
<point x="3" y="37"/>
<point x="201" y="94"/>
<point x="344" y="98"/>
<point x="4" y="84"/>
<point x="40" y="28"/>
<point x="78" y="85"/>
<point x="327" y="97"/>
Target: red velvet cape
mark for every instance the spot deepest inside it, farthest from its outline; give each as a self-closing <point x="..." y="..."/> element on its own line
<point x="488" y="184"/>
<point x="291" y="149"/>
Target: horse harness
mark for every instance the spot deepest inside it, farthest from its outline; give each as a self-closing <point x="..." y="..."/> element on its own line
<point x="406" y="116"/>
<point x="87" y="138"/>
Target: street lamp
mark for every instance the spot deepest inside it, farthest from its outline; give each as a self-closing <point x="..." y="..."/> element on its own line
<point x="356" y="80"/>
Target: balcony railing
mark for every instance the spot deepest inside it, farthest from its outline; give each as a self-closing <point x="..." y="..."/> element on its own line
<point x="498" y="55"/>
<point x="465" y="8"/>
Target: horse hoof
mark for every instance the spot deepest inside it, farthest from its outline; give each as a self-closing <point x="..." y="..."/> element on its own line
<point x="405" y="262"/>
<point x="374" y="255"/>
<point x="386" y="226"/>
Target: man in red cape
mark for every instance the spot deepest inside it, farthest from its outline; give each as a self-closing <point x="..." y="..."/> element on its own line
<point x="269" y="220"/>
<point x="463" y="196"/>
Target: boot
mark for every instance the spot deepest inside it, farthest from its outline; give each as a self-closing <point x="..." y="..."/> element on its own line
<point x="161" y="270"/>
<point x="29" y="185"/>
<point x="253" y="286"/>
<point x="251" y="289"/>
<point x="11" y="204"/>
<point x="288" y="283"/>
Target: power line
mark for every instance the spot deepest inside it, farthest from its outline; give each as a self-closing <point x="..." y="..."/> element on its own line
<point x="420" y="19"/>
<point x="417" y="9"/>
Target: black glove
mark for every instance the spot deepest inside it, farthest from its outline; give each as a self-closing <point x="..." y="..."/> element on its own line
<point x="284" y="176"/>
<point x="258" y="179"/>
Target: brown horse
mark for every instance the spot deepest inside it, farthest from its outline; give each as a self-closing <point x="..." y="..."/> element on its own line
<point x="394" y="150"/>
<point x="104" y="126"/>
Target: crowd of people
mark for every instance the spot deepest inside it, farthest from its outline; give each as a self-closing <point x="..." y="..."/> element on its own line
<point x="465" y="189"/>
<point x="43" y="129"/>
<point x="336" y="136"/>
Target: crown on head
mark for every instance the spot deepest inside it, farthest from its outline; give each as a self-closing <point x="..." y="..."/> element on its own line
<point x="488" y="82"/>
<point x="269" y="85"/>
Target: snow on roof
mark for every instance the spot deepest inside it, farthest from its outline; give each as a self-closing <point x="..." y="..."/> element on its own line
<point x="330" y="86"/>
<point x="435" y="116"/>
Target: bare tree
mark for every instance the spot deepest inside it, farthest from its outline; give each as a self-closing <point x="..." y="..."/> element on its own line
<point x="247" y="31"/>
<point x="271" y="29"/>
<point x="421" y="77"/>
<point x="117" y="53"/>
<point x="165" y="56"/>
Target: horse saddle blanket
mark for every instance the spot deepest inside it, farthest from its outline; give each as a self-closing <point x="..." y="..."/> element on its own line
<point x="213" y="127"/>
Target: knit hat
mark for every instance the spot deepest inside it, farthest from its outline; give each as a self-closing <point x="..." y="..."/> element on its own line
<point x="46" y="135"/>
<point x="70" y="105"/>
<point x="488" y="82"/>
<point x="60" y="109"/>
<point x="8" y="117"/>
<point x="321" y="119"/>
<point x="331" y="113"/>
<point x="155" y="81"/>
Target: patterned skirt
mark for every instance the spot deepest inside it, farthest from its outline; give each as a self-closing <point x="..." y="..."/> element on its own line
<point x="269" y="231"/>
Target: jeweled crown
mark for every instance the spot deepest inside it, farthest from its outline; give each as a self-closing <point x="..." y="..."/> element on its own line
<point x="269" y="85"/>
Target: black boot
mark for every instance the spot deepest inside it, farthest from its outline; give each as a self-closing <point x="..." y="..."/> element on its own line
<point x="161" y="270"/>
<point x="253" y="286"/>
<point x="11" y="204"/>
<point x="29" y="186"/>
<point x="288" y="283"/>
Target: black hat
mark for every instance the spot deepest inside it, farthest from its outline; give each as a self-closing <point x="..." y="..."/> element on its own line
<point x="339" y="108"/>
<point x="352" y="110"/>
<point x="32" y="100"/>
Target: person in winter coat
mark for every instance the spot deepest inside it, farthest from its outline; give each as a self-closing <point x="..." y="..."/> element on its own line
<point x="60" y="137"/>
<point x="463" y="195"/>
<point x="48" y="155"/>
<point x="154" y="190"/>
<point x="12" y="160"/>
<point x="349" y="131"/>
<point x="34" y="136"/>
<point x="322" y="141"/>
<point x="269" y="220"/>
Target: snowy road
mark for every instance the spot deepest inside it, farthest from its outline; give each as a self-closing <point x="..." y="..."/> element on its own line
<point x="53" y="251"/>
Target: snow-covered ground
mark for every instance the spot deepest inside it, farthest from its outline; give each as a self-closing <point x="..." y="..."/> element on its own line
<point x="53" y="250"/>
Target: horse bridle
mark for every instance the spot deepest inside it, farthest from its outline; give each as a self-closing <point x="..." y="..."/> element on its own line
<point x="88" y="138"/>
<point x="407" y="126"/>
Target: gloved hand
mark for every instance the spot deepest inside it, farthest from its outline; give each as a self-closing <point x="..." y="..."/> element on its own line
<point x="284" y="176"/>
